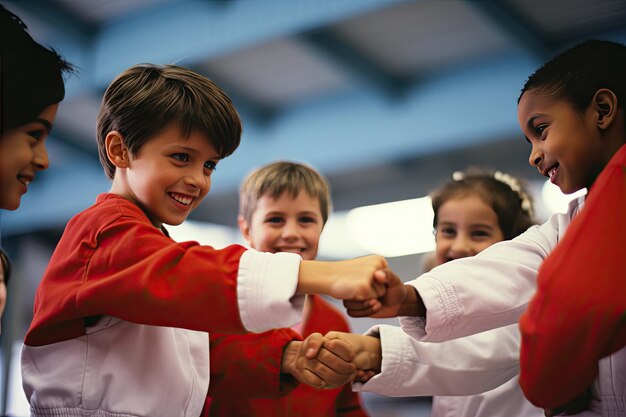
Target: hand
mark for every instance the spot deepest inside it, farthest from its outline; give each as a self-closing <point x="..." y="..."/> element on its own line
<point x="367" y="353"/>
<point x="319" y="362"/>
<point x="351" y="279"/>
<point x="395" y="301"/>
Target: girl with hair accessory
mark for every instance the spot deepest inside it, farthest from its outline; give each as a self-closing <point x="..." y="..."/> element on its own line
<point x="473" y="211"/>
<point x="571" y="111"/>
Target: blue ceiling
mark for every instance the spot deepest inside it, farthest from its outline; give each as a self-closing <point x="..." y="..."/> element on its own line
<point x="367" y="91"/>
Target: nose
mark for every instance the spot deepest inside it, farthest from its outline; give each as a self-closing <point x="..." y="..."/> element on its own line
<point x="461" y="248"/>
<point x="536" y="156"/>
<point x="290" y="230"/>
<point x="40" y="158"/>
<point x="196" y="178"/>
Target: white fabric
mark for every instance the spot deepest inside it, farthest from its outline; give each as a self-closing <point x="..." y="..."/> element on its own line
<point x="124" y="369"/>
<point x="471" y="295"/>
<point x="265" y="290"/>
<point x="465" y="366"/>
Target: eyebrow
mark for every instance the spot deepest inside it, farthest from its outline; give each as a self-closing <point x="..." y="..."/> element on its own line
<point x="46" y="124"/>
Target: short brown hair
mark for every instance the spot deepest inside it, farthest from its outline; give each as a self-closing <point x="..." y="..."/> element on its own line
<point x="279" y="177"/>
<point x="147" y="98"/>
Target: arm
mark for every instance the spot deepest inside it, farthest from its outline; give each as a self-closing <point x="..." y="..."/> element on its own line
<point x="112" y="261"/>
<point x="464" y="366"/>
<point x="257" y="356"/>
<point x="578" y="314"/>
<point x="488" y="290"/>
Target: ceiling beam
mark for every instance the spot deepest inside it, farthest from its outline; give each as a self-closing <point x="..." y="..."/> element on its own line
<point x="523" y="32"/>
<point x="358" y="66"/>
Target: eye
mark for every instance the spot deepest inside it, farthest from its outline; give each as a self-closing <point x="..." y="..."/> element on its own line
<point x="37" y="135"/>
<point x="274" y="220"/>
<point x="181" y="157"/>
<point x="307" y="219"/>
<point x="446" y="231"/>
<point x="540" y="129"/>
<point x="480" y="234"/>
<point x="210" y="165"/>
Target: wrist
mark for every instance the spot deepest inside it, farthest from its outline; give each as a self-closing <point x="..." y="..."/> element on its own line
<point x="412" y="305"/>
<point x="314" y="277"/>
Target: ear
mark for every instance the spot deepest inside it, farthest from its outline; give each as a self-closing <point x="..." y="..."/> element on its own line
<point x="605" y="106"/>
<point x="117" y="152"/>
<point x="244" y="227"/>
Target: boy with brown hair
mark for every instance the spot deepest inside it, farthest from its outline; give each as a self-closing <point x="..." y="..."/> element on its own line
<point x="283" y="207"/>
<point x="122" y="311"/>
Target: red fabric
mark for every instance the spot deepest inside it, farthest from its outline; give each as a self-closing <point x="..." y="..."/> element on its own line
<point x="112" y="261"/>
<point x="253" y="371"/>
<point x="578" y="314"/>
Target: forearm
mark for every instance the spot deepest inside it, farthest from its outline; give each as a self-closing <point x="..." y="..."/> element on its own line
<point x="251" y="365"/>
<point x="466" y="366"/>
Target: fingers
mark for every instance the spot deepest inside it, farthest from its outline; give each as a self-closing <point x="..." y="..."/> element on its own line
<point x="362" y="308"/>
<point x="312" y="345"/>
<point x="328" y="371"/>
<point x="330" y="366"/>
<point x="341" y="349"/>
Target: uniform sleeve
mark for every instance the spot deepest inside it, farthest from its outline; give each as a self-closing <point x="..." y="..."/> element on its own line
<point x="131" y="271"/>
<point x="482" y="292"/>
<point x="578" y="314"/>
<point x="249" y="365"/>
<point x="465" y="366"/>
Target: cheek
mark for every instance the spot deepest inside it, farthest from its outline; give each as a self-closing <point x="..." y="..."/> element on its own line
<point x="441" y="250"/>
<point x="264" y="238"/>
<point x="3" y="297"/>
<point x="484" y="245"/>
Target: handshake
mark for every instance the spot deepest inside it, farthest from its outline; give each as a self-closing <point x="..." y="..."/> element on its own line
<point x="332" y="360"/>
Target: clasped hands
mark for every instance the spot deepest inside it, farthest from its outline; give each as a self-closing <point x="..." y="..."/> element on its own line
<point x="332" y="360"/>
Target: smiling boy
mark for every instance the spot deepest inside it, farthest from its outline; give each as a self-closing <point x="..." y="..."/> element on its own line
<point x="122" y="311"/>
<point x="283" y="208"/>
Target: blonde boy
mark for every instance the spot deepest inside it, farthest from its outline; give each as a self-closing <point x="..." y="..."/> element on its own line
<point x="283" y="208"/>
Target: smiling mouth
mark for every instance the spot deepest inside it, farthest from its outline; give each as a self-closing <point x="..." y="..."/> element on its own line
<point x="552" y="172"/>
<point x="182" y="199"/>
<point x="291" y="250"/>
<point x="24" y="179"/>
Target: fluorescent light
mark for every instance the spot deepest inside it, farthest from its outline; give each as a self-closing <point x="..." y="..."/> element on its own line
<point x="393" y="229"/>
<point x="217" y="236"/>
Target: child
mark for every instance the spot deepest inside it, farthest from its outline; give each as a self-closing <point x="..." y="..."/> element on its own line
<point x="472" y="212"/>
<point x="31" y="86"/>
<point x="122" y="311"/>
<point x="580" y="301"/>
<point x="283" y="208"/>
<point x="572" y="113"/>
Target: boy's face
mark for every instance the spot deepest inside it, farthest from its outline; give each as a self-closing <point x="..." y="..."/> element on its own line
<point x="22" y="154"/>
<point x="566" y="145"/>
<point x="285" y="224"/>
<point x="169" y="176"/>
<point x="465" y="226"/>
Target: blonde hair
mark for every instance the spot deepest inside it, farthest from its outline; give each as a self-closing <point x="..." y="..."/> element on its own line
<point x="279" y="177"/>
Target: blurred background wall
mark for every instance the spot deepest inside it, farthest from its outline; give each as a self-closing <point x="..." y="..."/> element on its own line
<point x="385" y="97"/>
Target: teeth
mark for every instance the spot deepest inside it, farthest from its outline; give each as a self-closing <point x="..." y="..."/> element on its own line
<point x="24" y="181"/>
<point x="292" y="250"/>
<point x="552" y="172"/>
<point x="182" y="199"/>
